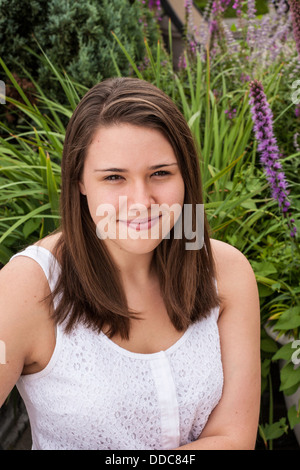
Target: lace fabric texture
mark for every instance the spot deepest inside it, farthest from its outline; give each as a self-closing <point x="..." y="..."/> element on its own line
<point x="96" y="395"/>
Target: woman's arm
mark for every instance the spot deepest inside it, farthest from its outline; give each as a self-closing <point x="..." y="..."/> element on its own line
<point x="22" y="286"/>
<point x="233" y="423"/>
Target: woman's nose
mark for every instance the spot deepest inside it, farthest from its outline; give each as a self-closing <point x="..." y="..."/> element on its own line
<point x="140" y="199"/>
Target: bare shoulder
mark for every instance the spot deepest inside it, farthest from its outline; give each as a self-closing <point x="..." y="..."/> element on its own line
<point x="24" y="276"/>
<point x="233" y="271"/>
<point x="225" y="253"/>
<point x="49" y="242"/>
<point x="23" y="286"/>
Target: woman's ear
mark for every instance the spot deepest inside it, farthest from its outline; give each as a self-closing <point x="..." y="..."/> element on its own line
<point x="82" y="188"/>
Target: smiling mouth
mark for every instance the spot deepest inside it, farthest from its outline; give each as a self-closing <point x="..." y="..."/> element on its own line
<point x="141" y="224"/>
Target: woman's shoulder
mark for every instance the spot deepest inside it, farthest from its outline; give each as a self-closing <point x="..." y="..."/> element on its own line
<point x="49" y="242"/>
<point x="227" y="256"/>
<point x="220" y="245"/>
<point x="233" y="270"/>
<point x="22" y="278"/>
<point x="23" y="286"/>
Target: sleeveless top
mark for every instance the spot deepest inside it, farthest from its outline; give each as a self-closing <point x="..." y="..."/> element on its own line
<point x="96" y="395"/>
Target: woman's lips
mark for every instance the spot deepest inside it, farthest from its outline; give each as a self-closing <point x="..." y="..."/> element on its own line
<point x="142" y="224"/>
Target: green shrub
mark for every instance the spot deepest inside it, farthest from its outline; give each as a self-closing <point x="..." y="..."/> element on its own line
<point x="75" y="35"/>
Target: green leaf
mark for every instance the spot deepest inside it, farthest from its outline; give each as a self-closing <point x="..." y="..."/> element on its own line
<point x="193" y="118"/>
<point x="289" y="319"/>
<point x="291" y="390"/>
<point x="222" y="172"/>
<point x="249" y="204"/>
<point x="276" y="286"/>
<point x="15" y="83"/>
<point x="293" y="416"/>
<point x="129" y="58"/>
<point x="30" y="226"/>
<point x="23" y="219"/>
<point x="264" y="291"/>
<point x="264" y="268"/>
<point x="52" y="188"/>
<point x="5" y="254"/>
<point x="285" y="352"/>
<point x="290" y="377"/>
<point x="274" y="430"/>
<point x="268" y="345"/>
<point x="265" y="367"/>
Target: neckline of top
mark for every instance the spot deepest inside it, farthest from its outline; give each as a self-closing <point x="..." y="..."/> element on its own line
<point x="147" y="356"/>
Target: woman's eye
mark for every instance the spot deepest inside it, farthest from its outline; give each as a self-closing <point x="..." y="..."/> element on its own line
<point x="113" y="177"/>
<point x="161" y="173"/>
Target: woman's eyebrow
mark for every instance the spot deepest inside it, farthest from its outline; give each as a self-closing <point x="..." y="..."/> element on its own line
<point x="124" y="170"/>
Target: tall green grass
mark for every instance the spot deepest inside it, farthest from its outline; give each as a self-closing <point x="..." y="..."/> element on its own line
<point x="30" y="164"/>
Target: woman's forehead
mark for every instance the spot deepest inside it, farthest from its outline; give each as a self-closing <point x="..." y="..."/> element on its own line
<point x="125" y="144"/>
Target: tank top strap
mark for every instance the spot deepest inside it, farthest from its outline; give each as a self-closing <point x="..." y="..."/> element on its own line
<point x="45" y="259"/>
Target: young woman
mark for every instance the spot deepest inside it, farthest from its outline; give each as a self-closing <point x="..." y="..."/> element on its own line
<point x="118" y="333"/>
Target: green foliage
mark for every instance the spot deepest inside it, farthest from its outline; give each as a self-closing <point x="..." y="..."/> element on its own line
<point x="30" y="168"/>
<point x="260" y="5"/>
<point x="76" y="36"/>
<point x="16" y="34"/>
<point x="272" y="431"/>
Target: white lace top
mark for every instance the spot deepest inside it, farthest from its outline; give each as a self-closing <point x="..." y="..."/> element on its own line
<point x="93" y="394"/>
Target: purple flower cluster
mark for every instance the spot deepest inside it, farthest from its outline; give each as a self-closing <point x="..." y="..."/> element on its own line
<point x="191" y="29"/>
<point x="188" y="5"/>
<point x="219" y="6"/>
<point x="245" y="77"/>
<point x="251" y="21"/>
<point x="217" y="10"/>
<point x="295" y="14"/>
<point x="154" y="4"/>
<point x="237" y="5"/>
<point x="268" y="148"/>
<point x="231" y="113"/>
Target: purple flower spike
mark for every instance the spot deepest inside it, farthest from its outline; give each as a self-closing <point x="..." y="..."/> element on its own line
<point x="295" y="14"/>
<point x="267" y="146"/>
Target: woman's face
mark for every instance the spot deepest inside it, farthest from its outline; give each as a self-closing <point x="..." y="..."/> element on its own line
<point x="133" y="185"/>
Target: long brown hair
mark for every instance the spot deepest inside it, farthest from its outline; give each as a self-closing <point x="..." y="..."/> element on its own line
<point x="89" y="286"/>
